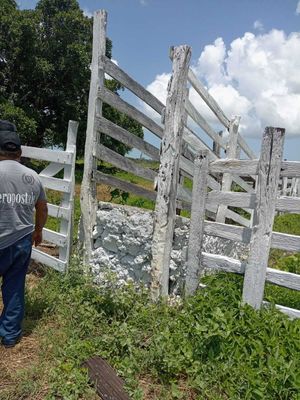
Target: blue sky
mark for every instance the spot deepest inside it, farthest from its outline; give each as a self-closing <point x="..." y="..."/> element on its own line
<point x="247" y="52"/>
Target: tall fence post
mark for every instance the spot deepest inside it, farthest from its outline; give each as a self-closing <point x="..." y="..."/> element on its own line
<point x="88" y="198"/>
<point x="216" y="147"/>
<point x="231" y="152"/>
<point x="193" y="265"/>
<point x="165" y="208"/>
<point x="66" y="227"/>
<point x="266" y="194"/>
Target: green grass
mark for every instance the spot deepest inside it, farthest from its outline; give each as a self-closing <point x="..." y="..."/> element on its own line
<point x="287" y="223"/>
<point x="208" y="347"/>
<point x="283" y="260"/>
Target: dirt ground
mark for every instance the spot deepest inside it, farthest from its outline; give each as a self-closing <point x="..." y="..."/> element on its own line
<point x="25" y="353"/>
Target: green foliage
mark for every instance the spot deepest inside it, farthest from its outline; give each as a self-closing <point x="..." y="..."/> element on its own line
<point x="290" y="262"/>
<point x="45" y="72"/>
<point x="27" y="126"/>
<point x="287" y="223"/>
<point x="207" y="347"/>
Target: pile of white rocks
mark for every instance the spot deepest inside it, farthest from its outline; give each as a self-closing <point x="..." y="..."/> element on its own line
<point x="123" y="239"/>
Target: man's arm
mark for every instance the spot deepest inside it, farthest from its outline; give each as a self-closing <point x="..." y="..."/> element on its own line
<point x="41" y="214"/>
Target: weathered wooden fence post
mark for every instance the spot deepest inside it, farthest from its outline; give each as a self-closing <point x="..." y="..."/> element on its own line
<point x="216" y="147"/>
<point x="231" y="152"/>
<point x="66" y="227"/>
<point x="88" y="197"/>
<point x="266" y="194"/>
<point x="193" y="265"/>
<point x="165" y="209"/>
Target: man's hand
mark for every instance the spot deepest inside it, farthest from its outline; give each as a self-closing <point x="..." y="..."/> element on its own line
<point x="37" y="238"/>
<point x="41" y="213"/>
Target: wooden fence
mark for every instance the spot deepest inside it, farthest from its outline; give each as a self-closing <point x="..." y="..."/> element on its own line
<point x="179" y="145"/>
<point x="269" y="170"/>
<point x="59" y="160"/>
<point x="189" y="141"/>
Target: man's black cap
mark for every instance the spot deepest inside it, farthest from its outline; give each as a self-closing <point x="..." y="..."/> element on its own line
<point x="9" y="139"/>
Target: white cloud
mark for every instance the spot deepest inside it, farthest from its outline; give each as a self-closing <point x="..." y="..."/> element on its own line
<point x="143" y="3"/>
<point x="256" y="77"/>
<point x="159" y="89"/>
<point x="258" y="25"/>
<point x="298" y="8"/>
<point x="87" y="13"/>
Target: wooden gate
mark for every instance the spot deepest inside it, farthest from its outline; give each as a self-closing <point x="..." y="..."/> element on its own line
<point x="59" y="160"/>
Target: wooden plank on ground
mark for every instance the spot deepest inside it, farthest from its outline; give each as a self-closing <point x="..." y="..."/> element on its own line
<point x="108" y="384"/>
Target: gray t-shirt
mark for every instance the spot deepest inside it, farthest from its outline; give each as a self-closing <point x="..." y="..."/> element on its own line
<point x="20" y="189"/>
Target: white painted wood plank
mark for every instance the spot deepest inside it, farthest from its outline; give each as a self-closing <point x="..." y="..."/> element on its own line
<point x="52" y="169"/>
<point x="110" y="156"/>
<point x="226" y="231"/>
<point x="267" y="184"/>
<point x="284" y="185"/>
<point x="122" y="135"/>
<point x="283" y="278"/>
<point x="54" y="237"/>
<point x="290" y="169"/>
<point x="66" y="225"/>
<point x="165" y="209"/>
<point x="281" y="241"/>
<point x="58" y="156"/>
<point x="234" y="199"/>
<point x="291" y="204"/>
<point x="117" y="73"/>
<point x="285" y="242"/>
<point x="208" y="99"/>
<point x="194" y="269"/>
<point x="61" y="185"/>
<point x="222" y="263"/>
<point x="233" y="166"/>
<point x="115" y="101"/>
<point x="197" y="117"/>
<point x="291" y="312"/>
<point x="58" y="211"/>
<point x="216" y="109"/>
<point x="125" y="186"/>
<point x="48" y="260"/>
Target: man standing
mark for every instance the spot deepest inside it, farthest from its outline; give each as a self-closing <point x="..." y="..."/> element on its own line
<point x="20" y="193"/>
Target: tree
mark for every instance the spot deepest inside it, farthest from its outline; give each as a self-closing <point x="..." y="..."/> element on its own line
<point x="44" y="70"/>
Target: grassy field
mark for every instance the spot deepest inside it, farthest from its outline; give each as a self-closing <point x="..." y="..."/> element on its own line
<point x="207" y="347"/>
